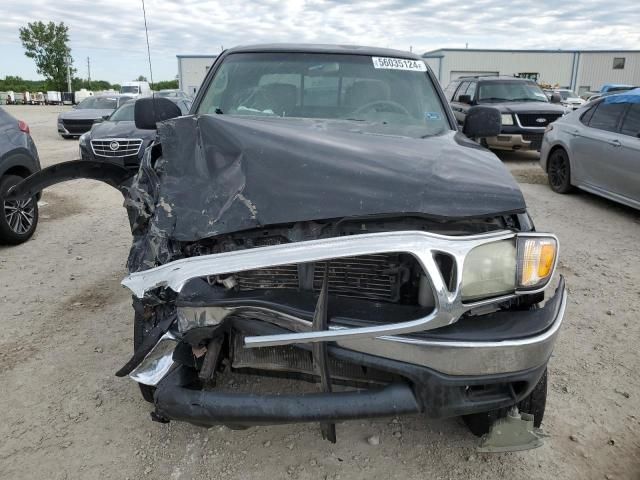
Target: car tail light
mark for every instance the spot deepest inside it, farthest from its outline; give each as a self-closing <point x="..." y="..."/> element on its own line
<point x="23" y="126"/>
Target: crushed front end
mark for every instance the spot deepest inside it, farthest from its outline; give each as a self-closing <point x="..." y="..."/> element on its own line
<point x="387" y="312"/>
<point x="400" y="275"/>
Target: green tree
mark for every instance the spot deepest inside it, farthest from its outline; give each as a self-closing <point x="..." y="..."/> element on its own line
<point x="141" y="78"/>
<point x="48" y="45"/>
<point x="165" y="85"/>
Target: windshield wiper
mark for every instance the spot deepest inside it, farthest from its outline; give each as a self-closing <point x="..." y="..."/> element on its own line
<point x="527" y="99"/>
<point x="494" y="99"/>
<point x="218" y="111"/>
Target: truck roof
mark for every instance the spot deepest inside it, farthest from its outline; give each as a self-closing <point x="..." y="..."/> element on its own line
<point x="323" y="48"/>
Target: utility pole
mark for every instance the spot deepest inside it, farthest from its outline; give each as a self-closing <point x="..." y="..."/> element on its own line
<point x="89" y="72"/>
<point x="69" y="73"/>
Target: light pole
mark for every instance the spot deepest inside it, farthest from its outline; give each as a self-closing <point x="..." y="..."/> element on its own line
<point x="69" y="60"/>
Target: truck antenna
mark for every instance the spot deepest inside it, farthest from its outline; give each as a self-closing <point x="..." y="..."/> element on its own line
<point x="146" y="32"/>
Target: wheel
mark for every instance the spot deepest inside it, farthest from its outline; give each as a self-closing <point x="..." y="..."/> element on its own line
<point x="18" y="218"/>
<point x="559" y="171"/>
<point x="147" y="391"/>
<point x="534" y="403"/>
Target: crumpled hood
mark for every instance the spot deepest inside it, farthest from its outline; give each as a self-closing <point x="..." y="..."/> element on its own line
<point x="84" y="114"/>
<point x="221" y="174"/>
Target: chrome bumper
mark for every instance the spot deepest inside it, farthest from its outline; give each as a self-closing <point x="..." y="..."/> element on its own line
<point x="471" y="358"/>
<point x="510" y="141"/>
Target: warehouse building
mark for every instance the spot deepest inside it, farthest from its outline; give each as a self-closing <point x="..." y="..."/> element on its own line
<point x="191" y="71"/>
<point x="579" y="70"/>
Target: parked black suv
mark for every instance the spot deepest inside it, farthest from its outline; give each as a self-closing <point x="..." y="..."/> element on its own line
<point x="525" y="109"/>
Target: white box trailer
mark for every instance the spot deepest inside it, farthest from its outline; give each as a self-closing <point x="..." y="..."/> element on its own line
<point x="37" y="98"/>
<point x="53" y="98"/>
<point x="81" y="95"/>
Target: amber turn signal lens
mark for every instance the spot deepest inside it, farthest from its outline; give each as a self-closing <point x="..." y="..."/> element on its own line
<point x="536" y="261"/>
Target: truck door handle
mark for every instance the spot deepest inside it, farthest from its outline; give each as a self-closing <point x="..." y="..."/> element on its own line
<point x="615" y="143"/>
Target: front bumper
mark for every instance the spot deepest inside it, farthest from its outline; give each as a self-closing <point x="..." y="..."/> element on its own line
<point x="453" y="372"/>
<point x="516" y="141"/>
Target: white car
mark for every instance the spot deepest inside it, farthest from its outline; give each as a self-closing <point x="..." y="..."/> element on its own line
<point x="569" y="98"/>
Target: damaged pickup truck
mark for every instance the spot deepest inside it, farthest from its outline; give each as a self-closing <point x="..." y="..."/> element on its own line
<point x="319" y="216"/>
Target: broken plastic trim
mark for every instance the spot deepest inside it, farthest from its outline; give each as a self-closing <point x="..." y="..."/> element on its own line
<point x="157" y="363"/>
<point x="109" y="173"/>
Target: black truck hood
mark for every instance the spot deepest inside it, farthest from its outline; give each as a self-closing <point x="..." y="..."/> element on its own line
<point x="528" y="107"/>
<point x="85" y="114"/>
<point x="220" y="174"/>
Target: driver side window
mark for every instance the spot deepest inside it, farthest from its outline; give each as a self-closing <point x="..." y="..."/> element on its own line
<point x="462" y="90"/>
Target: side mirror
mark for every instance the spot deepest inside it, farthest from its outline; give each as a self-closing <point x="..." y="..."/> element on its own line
<point x="465" y="99"/>
<point x="482" y="122"/>
<point x="556" y="98"/>
<point x="150" y="110"/>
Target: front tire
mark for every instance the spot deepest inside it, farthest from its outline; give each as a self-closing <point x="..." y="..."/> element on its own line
<point x="18" y="218"/>
<point x="559" y="171"/>
<point x="535" y="404"/>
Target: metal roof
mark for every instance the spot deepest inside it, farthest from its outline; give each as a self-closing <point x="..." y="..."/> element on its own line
<point x="438" y="53"/>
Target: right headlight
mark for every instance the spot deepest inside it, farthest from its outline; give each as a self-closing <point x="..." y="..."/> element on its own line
<point x="507" y="119"/>
<point x="499" y="268"/>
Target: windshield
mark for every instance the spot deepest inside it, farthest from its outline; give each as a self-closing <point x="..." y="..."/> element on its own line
<point x="394" y="94"/>
<point x="98" y="103"/>
<point x="130" y="89"/>
<point x="510" y="91"/>
<point x="123" y="114"/>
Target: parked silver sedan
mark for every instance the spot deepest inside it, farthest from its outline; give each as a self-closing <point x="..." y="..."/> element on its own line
<point x="597" y="148"/>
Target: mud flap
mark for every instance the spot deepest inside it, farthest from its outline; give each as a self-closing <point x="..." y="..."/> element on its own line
<point x="108" y="173"/>
<point x="513" y="433"/>
<point x="319" y="350"/>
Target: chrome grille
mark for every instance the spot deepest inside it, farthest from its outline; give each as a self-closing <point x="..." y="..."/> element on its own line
<point x="367" y="276"/>
<point x="538" y="120"/>
<point x="116" y="147"/>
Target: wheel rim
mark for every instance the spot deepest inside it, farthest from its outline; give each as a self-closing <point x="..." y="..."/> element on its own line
<point x="20" y="215"/>
<point x="558" y="171"/>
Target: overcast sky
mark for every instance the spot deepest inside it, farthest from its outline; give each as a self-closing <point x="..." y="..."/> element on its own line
<point x="111" y="32"/>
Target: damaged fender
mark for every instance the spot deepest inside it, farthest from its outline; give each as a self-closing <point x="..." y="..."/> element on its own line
<point x="108" y="173"/>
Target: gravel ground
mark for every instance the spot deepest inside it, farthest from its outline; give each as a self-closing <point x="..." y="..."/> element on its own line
<point x="67" y="327"/>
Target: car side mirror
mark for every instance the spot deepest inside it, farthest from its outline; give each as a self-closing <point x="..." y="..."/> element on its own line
<point x="556" y="98"/>
<point x="482" y="122"/>
<point x="465" y="99"/>
<point x="150" y="110"/>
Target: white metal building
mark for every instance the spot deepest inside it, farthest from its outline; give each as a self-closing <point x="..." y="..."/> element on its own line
<point x="191" y="71"/>
<point x="580" y="70"/>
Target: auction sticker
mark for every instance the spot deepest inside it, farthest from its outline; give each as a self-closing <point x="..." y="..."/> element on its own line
<point x="399" y="64"/>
